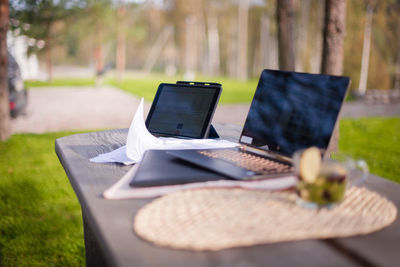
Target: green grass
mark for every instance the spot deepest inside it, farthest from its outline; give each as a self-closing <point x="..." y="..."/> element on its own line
<point x="145" y="85"/>
<point x="377" y="140"/>
<point x="40" y="217"/>
<point x="233" y="91"/>
<point x="61" y="82"/>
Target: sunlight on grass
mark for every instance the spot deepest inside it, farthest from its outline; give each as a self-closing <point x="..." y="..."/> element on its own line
<point x="377" y="140"/>
<point x="233" y="91"/>
<point x="145" y="85"/>
<point x="41" y="223"/>
<point x="61" y="82"/>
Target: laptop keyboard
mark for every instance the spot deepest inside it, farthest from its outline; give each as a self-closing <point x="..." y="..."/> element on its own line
<point x="257" y="164"/>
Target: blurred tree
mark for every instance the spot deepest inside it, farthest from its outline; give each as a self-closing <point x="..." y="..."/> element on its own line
<point x="120" y="57"/>
<point x="160" y="49"/>
<point x="157" y="47"/>
<point x="99" y="28"/>
<point x="267" y="56"/>
<point x="303" y="34"/>
<point x="5" y="130"/>
<point x="384" y="42"/>
<point x="187" y="18"/>
<point x="355" y="20"/>
<point x="397" y="68"/>
<point x="205" y="35"/>
<point x="362" y="86"/>
<point x="314" y="48"/>
<point x="213" y="37"/>
<point x="385" y="46"/>
<point x="43" y="20"/>
<point x="334" y="32"/>
<point x="286" y="36"/>
<point x="243" y="21"/>
<point x="226" y="13"/>
<point x="333" y="49"/>
<point x="309" y="29"/>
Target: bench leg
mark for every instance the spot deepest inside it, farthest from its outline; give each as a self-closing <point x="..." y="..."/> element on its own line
<point x="94" y="254"/>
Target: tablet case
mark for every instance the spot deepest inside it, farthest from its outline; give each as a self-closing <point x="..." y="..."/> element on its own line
<point x="158" y="168"/>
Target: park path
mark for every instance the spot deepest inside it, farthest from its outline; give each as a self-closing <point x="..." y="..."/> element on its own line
<point x="91" y="108"/>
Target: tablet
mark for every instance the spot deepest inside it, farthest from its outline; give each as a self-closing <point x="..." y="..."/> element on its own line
<point x="184" y="109"/>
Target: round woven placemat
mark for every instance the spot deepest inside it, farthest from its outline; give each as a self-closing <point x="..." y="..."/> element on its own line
<point x="213" y="219"/>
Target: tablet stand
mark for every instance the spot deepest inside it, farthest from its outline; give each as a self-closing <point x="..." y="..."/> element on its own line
<point x="212" y="134"/>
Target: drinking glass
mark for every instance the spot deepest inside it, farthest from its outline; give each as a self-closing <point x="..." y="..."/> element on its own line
<point x="333" y="177"/>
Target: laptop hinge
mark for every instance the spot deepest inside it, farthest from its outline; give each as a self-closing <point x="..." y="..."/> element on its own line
<point x="270" y="154"/>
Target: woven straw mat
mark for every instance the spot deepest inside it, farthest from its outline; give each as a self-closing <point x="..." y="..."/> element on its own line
<point x="214" y="219"/>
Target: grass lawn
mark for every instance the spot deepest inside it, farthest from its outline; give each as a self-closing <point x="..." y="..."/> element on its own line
<point x="145" y="85"/>
<point x="377" y="140"/>
<point x="61" y="82"/>
<point x="40" y="217"/>
<point x="233" y="91"/>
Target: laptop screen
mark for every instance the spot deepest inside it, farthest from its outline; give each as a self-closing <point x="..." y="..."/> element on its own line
<point x="292" y="110"/>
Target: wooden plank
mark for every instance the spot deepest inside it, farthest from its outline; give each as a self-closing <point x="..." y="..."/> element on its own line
<point x="110" y="221"/>
<point x="380" y="248"/>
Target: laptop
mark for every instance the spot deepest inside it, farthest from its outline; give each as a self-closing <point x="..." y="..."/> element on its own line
<point x="289" y="111"/>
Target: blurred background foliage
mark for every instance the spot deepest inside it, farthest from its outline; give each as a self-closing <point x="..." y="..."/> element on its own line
<point x="199" y="37"/>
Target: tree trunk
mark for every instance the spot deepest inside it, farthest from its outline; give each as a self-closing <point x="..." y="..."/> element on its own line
<point x="120" y="57"/>
<point x="261" y="57"/>
<point x="190" y="47"/>
<point x="362" y="87"/>
<point x="213" y="45"/>
<point x="232" y="48"/>
<point x="49" y="60"/>
<point x="302" y="37"/>
<point x="156" y="49"/>
<point x="242" y="39"/>
<point x="333" y="49"/>
<point x="171" y="55"/>
<point x="334" y="32"/>
<point x="98" y="55"/>
<point x="265" y="36"/>
<point x="5" y="129"/>
<point x="397" y="75"/>
<point x="49" y="47"/>
<point x="201" y="38"/>
<point x="286" y="37"/>
<point x="316" y="48"/>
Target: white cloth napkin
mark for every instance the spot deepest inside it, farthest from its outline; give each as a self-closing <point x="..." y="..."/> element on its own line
<point x="140" y="139"/>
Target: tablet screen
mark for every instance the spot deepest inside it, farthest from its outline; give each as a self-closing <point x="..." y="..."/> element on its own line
<point x="182" y="110"/>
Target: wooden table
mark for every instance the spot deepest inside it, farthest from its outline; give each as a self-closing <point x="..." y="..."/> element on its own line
<point x="111" y="241"/>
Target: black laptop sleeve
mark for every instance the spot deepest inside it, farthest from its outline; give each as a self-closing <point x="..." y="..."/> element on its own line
<point x="158" y="168"/>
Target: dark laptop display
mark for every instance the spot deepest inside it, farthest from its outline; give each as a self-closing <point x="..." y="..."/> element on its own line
<point x="293" y="110"/>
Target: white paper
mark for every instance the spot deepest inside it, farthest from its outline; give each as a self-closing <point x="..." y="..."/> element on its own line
<point x="140" y="139"/>
<point x="122" y="189"/>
